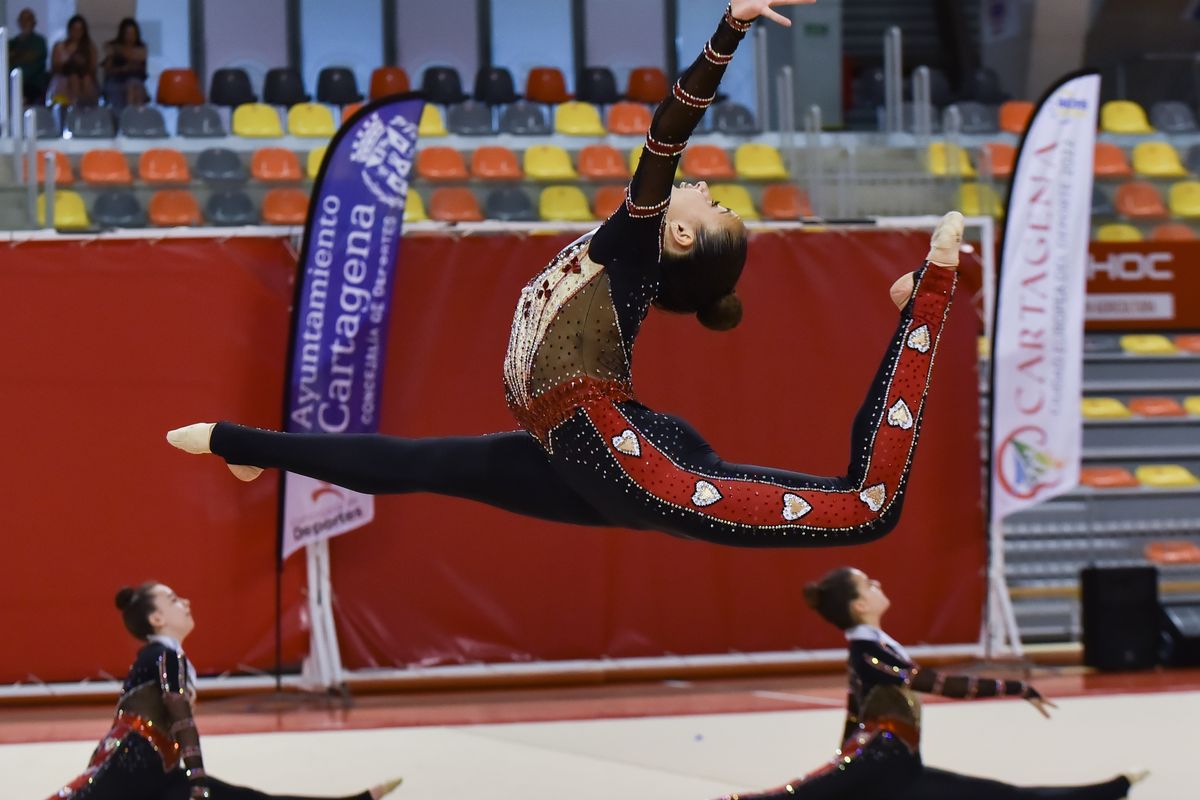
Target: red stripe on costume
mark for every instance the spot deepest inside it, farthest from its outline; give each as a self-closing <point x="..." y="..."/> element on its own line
<point x="760" y="504"/>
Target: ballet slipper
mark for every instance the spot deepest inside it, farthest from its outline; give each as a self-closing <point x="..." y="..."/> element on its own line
<point x="385" y="788"/>
<point x="946" y="240"/>
<point x="1136" y="776"/>
<point x="902" y="290"/>
<point x="195" y="439"/>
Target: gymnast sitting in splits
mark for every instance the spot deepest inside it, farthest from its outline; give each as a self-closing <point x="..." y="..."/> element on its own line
<point x="880" y="755"/>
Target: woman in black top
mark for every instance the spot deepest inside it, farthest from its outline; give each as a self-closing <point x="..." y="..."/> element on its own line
<point x="125" y="66"/>
<point x="880" y="755"/>
<point x="590" y="454"/>
<point x="152" y="750"/>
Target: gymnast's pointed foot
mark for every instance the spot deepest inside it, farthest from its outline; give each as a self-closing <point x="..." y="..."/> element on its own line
<point x="195" y="439"/>
<point x="385" y="788"/>
<point x="946" y="241"/>
<point x="1136" y="776"/>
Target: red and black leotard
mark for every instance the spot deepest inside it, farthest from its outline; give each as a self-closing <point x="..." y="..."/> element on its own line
<point x="590" y="453"/>
<point x="880" y="756"/>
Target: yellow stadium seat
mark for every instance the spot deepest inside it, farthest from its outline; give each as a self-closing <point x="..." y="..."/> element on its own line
<point x="311" y="120"/>
<point x="313" y="165"/>
<point x="949" y="159"/>
<point x="1103" y="408"/>
<point x="574" y="118"/>
<point x="431" y="123"/>
<point x="1192" y="405"/>
<point x="414" y="206"/>
<point x="978" y="199"/>
<point x="759" y="162"/>
<point x="566" y="203"/>
<point x="1123" y="116"/>
<point x="1147" y="344"/>
<point x="1118" y="232"/>
<point x="1165" y="476"/>
<point x="70" y="214"/>
<point x="1184" y="199"/>
<point x="735" y="198"/>
<point x="545" y="162"/>
<point x="635" y="155"/>
<point x="1157" y="160"/>
<point x="256" y="120"/>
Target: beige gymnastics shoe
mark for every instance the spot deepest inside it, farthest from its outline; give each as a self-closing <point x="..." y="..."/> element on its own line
<point x="946" y="241"/>
<point x="385" y="788"/>
<point x="195" y="439"/>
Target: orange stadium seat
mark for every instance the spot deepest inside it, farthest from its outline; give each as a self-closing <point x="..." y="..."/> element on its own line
<point x="178" y="87"/>
<point x="170" y="207"/>
<point x="546" y="85"/>
<point x="647" y="85"/>
<point x="706" y="162"/>
<point x="275" y="164"/>
<point x="285" y="206"/>
<point x="997" y="159"/>
<point x="602" y="162"/>
<point x="1110" y="162"/>
<point x="163" y="165"/>
<point x="388" y="80"/>
<point x="63" y="175"/>
<point x="1139" y="200"/>
<point x="348" y="111"/>
<point x="1188" y="342"/>
<point x="105" y="168"/>
<point x="1178" y="551"/>
<point x="1014" y="116"/>
<point x="1107" y="478"/>
<point x="441" y="164"/>
<point x="1156" y="407"/>
<point x="1173" y="232"/>
<point x="629" y="119"/>
<point x="607" y="200"/>
<point x="784" y="201"/>
<point x="454" y="204"/>
<point x="494" y="163"/>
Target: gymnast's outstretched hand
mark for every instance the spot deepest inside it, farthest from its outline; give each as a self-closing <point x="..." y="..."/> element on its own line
<point x="747" y="10"/>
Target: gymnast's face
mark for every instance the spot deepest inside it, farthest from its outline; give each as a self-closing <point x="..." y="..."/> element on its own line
<point x="692" y="208"/>
<point x="172" y="615"/>
<point x="871" y="603"/>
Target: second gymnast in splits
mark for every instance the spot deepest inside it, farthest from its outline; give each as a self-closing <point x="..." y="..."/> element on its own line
<point x="152" y="751"/>
<point x="590" y="453"/>
<point x="881" y="752"/>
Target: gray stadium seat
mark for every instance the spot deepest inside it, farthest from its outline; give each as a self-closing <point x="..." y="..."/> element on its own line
<point x="470" y="118"/>
<point x="524" y="118"/>
<point x="230" y="207"/>
<point x="733" y="118"/>
<point x="1172" y="117"/>
<point x="48" y="126"/>
<point x="1102" y="343"/>
<point x="200" y="122"/>
<point x="91" y="123"/>
<point x="975" y="117"/>
<point x="118" y="209"/>
<point x="1192" y="162"/>
<point x="143" y="122"/>
<point x="220" y="165"/>
<point x="510" y="204"/>
<point x="1102" y="204"/>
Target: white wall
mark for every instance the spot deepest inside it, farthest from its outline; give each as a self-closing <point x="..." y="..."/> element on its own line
<point x="165" y="28"/>
<point x="444" y="33"/>
<point x="250" y="35"/>
<point x="615" y="43"/>
<point x="341" y="33"/>
<point x="538" y="36"/>
<point x="697" y="21"/>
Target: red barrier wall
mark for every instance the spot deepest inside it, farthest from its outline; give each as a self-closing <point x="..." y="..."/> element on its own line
<point x="111" y="343"/>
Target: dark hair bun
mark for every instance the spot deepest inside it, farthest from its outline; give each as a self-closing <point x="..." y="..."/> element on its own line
<point x="812" y="595"/>
<point x="722" y="315"/>
<point x="124" y="597"/>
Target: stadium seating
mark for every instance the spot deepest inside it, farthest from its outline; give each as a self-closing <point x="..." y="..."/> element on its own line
<point x="441" y="164"/>
<point x="454" y="204"/>
<point x="275" y="164"/>
<point x="1157" y="160"/>
<point x="759" y="162"/>
<point x="1125" y="117"/>
<point x="1118" y="232"/>
<point x="285" y="206"/>
<point x="546" y="162"/>
<point x="70" y="214"/>
<point x="256" y="120"/>
<point x="495" y="163"/>
<point x="1147" y="344"/>
<point x="172" y="207"/>
<point x="163" y="165"/>
<point x="565" y="203"/>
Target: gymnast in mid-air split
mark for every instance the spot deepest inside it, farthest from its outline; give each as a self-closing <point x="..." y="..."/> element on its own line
<point x="589" y="452"/>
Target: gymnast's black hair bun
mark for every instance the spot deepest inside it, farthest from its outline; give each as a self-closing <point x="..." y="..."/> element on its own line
<point x="723" y="315"/>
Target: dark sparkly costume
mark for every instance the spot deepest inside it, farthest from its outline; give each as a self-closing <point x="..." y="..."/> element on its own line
<point x="152" y="751"/>
<point x="880" y="756"/>
<point x="590" y="453"/>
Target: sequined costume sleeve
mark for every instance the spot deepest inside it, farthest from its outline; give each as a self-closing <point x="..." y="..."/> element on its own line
<point x="636" y="225"/>
<point x="172" y="673"/>
<point x="884" y="666"/>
